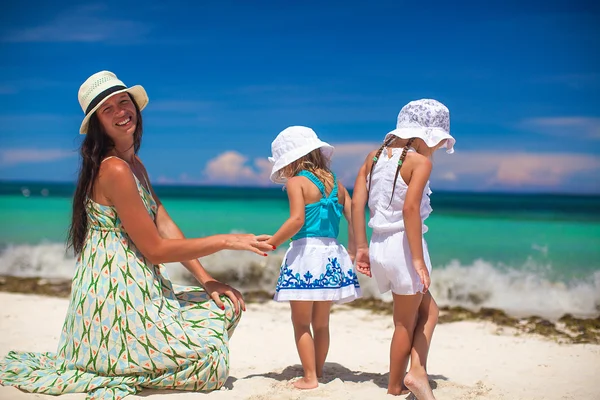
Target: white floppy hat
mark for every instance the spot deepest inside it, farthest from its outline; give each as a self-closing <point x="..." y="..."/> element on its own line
<point x="426" y="119"/>
<point x="291" y="144"/>
<point x="99" y="87"/>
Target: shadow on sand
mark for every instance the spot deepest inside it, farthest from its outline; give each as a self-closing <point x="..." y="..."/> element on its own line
<point x="333" y="371"/>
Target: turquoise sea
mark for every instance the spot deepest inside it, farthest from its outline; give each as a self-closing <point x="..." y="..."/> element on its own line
<point x="527" y="254"/>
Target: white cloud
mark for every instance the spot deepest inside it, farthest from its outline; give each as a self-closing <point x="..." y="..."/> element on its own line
<point x="464" y="170"/>
<point x="448" y="176"/>
<point x="165" y="180"/>
<point x="231" y="167"/>
<point x="11" y="157"/>
<point x="347" y="159"/>
<point x="572" y="127"/>
<point x="480" y="170"/>
<point x="493" y="170"/>
<point x="89" y="23"/>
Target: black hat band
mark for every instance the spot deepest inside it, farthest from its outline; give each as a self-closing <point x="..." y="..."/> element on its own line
<point x="101" y="96"/>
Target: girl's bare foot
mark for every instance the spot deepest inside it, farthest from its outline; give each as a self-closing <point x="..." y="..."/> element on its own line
<point x="396" y="391"/>
<point x="404" y="390"/>
<point x="418" y="383"/>
<point x="304" y="383"/>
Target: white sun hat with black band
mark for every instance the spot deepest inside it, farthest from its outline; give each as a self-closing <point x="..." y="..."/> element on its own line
<point x="99" y="87"/>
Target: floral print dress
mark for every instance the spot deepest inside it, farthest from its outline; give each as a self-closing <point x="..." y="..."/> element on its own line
<point x="127" y="325"/>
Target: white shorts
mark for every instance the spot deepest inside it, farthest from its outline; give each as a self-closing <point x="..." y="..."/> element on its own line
<point x="391" y="263"/>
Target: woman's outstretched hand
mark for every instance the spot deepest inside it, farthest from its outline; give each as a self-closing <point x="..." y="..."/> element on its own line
<point x="363" y="264"/>
<point x="250" y="242"/>
<point x="215" y="289"/>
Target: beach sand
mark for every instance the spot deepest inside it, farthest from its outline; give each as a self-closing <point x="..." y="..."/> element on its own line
<point x="468" y="359"/>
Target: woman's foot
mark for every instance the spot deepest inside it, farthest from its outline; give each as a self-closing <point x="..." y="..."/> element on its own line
<point x="418" y="383"/>
<point x="304" y="383"/>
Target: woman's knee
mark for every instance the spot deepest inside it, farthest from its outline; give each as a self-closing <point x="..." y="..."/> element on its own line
<point x="231" y="316"/>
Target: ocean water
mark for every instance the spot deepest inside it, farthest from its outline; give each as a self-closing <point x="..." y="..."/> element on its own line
<point x="526" y="254"/>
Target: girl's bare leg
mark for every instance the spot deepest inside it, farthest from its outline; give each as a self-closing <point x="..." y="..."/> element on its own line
<point x="405" y="318"/>
<point x="416" y="380"/>
<point x="301" y="319"/>
<point x="320" y="328"/>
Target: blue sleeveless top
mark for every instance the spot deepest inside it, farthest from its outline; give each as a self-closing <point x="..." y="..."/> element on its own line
<point x="322" y="219"/>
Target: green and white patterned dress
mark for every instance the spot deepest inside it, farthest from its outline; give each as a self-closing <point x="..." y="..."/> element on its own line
<point x="127" y="325"/>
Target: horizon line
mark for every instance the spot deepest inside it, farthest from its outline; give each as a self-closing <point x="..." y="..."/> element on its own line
<point x="280" y="187"/>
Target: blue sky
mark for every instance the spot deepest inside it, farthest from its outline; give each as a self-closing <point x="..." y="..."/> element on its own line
<point x="521" y="80"/>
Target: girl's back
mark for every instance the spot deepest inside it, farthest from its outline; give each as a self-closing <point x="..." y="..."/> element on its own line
<point x="386" y="215"/>
<point x="322" y="205"/>
<point x="311" y="191"/>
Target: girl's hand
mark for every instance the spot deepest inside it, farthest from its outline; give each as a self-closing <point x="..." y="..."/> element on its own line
<point x="256" y="244"/>
<point x="363" y="264"/>
<point x="421" y="269"/>
<point x="215" y="289"/>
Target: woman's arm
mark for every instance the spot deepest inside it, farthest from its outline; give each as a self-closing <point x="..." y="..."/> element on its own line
<point x="294" y="223"/>
<point x="348" y="215"/>
<point x="411" y="213"/>
<point x="119" y="187"/>
<point x="168" y="229"/>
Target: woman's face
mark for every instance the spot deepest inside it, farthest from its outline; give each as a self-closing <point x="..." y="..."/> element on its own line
<point x="118" y="116"/>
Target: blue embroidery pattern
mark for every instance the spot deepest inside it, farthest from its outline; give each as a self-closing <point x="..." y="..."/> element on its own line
<point x="333" y="278"/>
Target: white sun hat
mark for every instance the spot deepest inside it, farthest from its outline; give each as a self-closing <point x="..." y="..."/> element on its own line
<point x="99" y="87"/>
<point x="427" y="119"/>
<point x="291" y="144"/>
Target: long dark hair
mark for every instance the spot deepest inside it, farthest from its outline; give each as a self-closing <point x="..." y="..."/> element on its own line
<point x="94" y="148"/>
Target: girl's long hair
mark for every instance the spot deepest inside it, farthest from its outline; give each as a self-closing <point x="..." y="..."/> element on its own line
<point x="93" y="150"/>
<point x="386" y="143"/>
<point x="314" y="162"/>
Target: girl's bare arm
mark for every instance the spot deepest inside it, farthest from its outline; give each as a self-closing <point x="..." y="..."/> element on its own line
<point x="296" y="219"/>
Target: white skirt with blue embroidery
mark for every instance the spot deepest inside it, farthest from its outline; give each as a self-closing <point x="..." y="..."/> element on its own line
<point x="317" y="269"/>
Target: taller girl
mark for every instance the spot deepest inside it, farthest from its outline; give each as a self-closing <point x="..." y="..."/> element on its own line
<point x="394" y="179"/>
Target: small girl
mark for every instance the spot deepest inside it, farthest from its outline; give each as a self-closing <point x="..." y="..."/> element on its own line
<point x="395" y="181"/>
<point x="316" y="269"/>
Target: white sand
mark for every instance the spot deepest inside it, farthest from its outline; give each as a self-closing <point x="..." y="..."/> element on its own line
<point x="468" y="360"/>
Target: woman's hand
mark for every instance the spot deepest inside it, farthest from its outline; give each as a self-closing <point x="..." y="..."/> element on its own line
<point x="215" y="289"/>
<point x="363" y="264"/>
<point x="423" y="273"/>
<point x="250" y="242"/>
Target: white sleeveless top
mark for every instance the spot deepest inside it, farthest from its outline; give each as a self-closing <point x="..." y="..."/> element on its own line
<point x="386" y="217"/>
